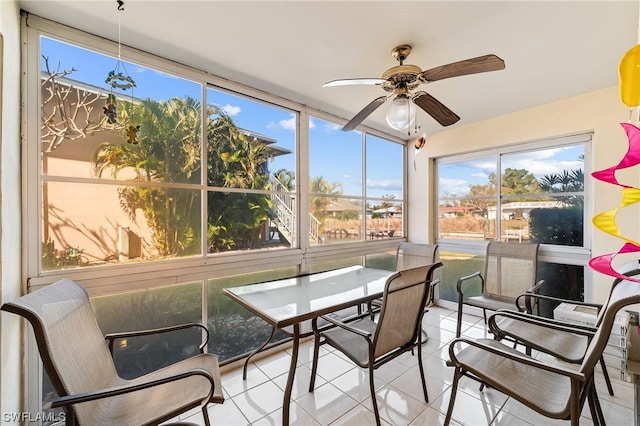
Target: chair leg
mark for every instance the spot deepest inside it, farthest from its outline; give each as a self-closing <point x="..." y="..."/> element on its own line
<point x="205" y="415"/>
<point x="424" y="381"/>
<point x="452" y="399"/>
<point x="607" y="380"/>
<point x="592" y="408"/>
<point x="459" y="325"/>
<point x="596" y="401"/>
<point x="314" y="364"/>
<point x="373" y="396"/>
<point x="484" y="315"/>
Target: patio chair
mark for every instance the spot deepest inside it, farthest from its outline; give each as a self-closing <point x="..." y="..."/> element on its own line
<point x="411" y="255"/>
<point x="509" y="270"/>
<point x="552" y="389"/>
<point x="80" y="366"/>
<point x="560" y="339"/>
<point x="398" y="330"/>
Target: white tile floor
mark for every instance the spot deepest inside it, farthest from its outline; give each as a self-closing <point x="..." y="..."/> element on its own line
<point x="341" y="396"/>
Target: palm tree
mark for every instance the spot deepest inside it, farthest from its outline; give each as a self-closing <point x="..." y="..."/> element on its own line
<point x="168" y="151"/>
<point x="287" y="178"/>
<point x="318" y="204"/>
<point x="234" y="161"/>
<point x="566" y="182"/>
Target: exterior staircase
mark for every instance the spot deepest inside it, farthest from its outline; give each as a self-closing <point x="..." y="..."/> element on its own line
<point x="284" y="211"/>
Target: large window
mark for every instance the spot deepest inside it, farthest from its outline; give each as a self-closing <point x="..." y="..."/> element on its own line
<point x="356" y="185"/>
<point x="524" y="194"/>
<point x="120" y="167"/>
<point x="158" y="191"/>
<point x="251" y="202"/>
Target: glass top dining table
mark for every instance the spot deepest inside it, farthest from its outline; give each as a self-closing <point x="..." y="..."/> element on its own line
<point x="288" y="303"/>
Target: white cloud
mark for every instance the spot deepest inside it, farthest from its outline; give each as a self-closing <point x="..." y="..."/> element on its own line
<point x="289" y="124"/>
<point x="384" y="184"/>
<point x="231" y="110"/>
<point x="452" y="186"/>
<point x="331" y="127"/>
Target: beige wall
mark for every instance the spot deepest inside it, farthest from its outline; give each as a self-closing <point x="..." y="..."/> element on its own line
<point x="10" y="232"/>
<point x="600" y="111"/>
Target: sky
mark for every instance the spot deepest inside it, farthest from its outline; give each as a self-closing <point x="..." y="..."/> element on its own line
<point x="334" y="155"/>
<point x="456" y="177"/>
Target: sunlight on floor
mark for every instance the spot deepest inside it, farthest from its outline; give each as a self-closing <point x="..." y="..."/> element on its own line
<point x="341" y="396"/>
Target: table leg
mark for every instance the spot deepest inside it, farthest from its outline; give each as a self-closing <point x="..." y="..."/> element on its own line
<point x="261" y="347"/>
<point x="292" y="373"/>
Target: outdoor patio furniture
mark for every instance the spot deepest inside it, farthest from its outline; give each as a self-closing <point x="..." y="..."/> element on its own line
<point x="551" y="389"/>
<point x="398" y="330"/>
<point x="509" y="270"/>
<point x="411" y="255"/>
<point x="76" y="356"/>
<point x="561" y="339"/>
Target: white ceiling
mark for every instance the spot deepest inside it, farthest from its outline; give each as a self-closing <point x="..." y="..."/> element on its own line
<point x="552" y="49"/>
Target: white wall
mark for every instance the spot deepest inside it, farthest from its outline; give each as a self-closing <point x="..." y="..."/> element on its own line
<point x="600" y="111"/>
<point x="10" y="246"/>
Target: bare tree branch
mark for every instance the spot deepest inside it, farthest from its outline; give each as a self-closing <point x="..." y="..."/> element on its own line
<point x="68" y="112"/>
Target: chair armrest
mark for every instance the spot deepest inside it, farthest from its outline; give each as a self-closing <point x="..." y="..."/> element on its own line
<point x="521" y="358"/>
<point x="462" y="280"/>
<point x="495" y="329"/>
<point x="535" y="289"/>
<point x="554" y="299"/>
<point x="111" y="337"/>
<point x="124" y="389"/>
<point x="347" y="327"/>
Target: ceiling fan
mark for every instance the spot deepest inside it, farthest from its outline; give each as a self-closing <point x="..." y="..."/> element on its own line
<point x="403" y="79"/>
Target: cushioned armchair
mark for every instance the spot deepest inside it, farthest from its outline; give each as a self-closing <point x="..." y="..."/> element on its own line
<point x="77" y="359"/>
<point x="509" y="270"/>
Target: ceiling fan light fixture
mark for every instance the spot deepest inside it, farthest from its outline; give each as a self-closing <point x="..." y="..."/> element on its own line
<point x="402" y="113"/>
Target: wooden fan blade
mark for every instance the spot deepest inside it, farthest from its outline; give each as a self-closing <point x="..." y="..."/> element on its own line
<point x="469" y="66"/>
<point x="435" y="108"/>
<point x="350" y="81"/>
<point x="364" y="113"/>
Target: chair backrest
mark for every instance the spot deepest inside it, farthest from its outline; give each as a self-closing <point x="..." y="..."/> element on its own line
<point x="624" y="293"/>
<point x="411" y="255"/>
<point x="630" y="269"/>
<point x="71" y="345"/>
<point x="510" y="269"/>
<point x="405" y="295"/>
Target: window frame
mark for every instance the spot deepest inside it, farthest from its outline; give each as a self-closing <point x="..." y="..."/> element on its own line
<point x="157" y="274"/>
<point x="571" y="255"/>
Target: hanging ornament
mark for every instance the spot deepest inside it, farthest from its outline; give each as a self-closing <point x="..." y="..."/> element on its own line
<point x="111" y="109"/>
<point x="605" y="221"/>
<point x="629" y="82"/>
<point x="132" y="134"/>
<point x="118" y="78"/>
<point x="418" y="145"/>
<point x="629" y="75"/>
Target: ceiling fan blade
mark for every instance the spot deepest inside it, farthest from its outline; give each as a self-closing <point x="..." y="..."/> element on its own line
<point x="469" y="66"/>
<point x="351" y="81"/>
<point x="435" y="108"/>
<point x="364" y="113"/>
